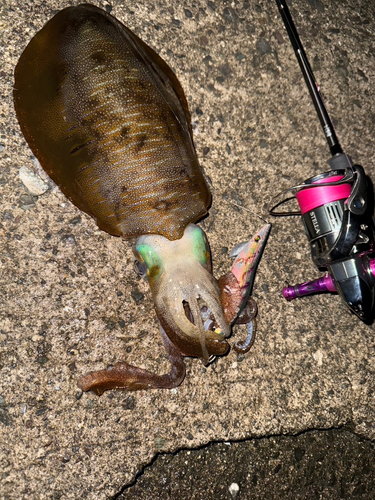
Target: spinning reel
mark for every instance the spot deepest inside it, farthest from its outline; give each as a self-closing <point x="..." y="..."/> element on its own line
<point x="337" y="212"/>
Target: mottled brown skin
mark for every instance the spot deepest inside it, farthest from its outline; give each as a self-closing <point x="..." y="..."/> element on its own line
<point x="108" y="121"/>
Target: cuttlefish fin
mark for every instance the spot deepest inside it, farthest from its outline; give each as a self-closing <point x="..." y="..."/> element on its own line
<point x="236" y="285"/>
<point x="131" y="378"/>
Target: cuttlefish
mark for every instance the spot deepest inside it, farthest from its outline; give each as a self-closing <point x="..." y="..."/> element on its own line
<point x="109" y="123"/>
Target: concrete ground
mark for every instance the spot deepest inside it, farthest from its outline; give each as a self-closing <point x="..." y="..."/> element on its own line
<point x="71" y="301"/>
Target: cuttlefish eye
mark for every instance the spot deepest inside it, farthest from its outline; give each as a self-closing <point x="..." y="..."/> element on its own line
<point x="148" y="260"/>
<point x="140" y="267"/>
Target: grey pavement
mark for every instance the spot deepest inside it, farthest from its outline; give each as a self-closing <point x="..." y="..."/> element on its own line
<point x="70" y="300"/>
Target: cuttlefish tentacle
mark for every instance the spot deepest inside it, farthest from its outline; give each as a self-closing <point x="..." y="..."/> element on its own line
<point x="132" y="378"/>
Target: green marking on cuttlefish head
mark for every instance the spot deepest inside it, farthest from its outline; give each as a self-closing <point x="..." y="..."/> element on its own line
<point x="150" y="258"/>
<point x="180" y="278"/>
<point x="157" y="253"/>
<point x="199" y="245"/>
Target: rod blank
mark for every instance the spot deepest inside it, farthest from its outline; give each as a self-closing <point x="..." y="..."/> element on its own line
<point x="327" y="125"/>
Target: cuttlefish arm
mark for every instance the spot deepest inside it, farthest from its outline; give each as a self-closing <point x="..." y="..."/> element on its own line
<point x="180" y="276"/>
<point x="194" y="309"/>
<point x="132" y="378"/>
